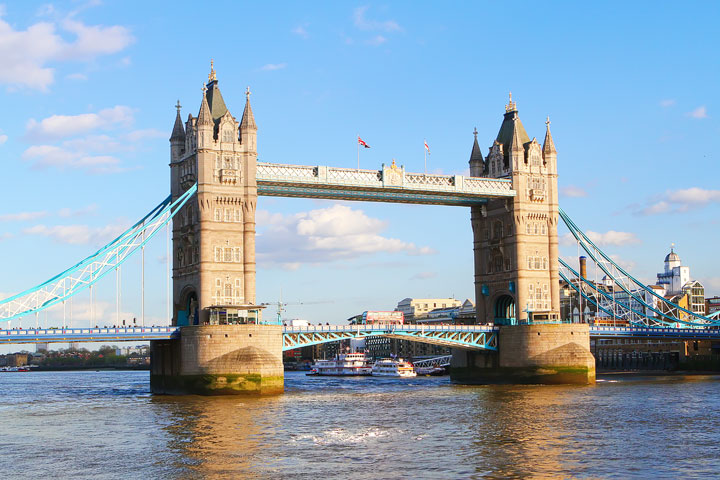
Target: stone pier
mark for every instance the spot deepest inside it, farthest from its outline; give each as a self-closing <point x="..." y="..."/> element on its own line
<point x="530" y="354"/>
<point x="219" y="360"/>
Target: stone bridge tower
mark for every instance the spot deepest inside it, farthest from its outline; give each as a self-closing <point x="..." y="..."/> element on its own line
<point x="223" y="346"/>
<point x="517" y="280"/>
<point x="214" y="234"/>
<point x="515" y="240"/>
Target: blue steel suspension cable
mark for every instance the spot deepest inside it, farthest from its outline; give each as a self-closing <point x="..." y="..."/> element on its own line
<point x="157" y="218"/>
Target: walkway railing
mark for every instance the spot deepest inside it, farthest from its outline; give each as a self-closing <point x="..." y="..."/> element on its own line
<point x="389" y="184"/>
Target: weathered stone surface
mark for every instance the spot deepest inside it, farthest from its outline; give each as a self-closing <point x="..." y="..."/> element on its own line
<point x="545" y="354"/>
<point x="219" y="360"/>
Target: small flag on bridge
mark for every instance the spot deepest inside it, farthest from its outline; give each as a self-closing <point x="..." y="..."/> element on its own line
<point x="426" y="147"/>
<point x="362" y="142"/>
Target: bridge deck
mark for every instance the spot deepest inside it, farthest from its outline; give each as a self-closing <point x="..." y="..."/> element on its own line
<point x="459" y="336"/>
<point x="390" y="184"/>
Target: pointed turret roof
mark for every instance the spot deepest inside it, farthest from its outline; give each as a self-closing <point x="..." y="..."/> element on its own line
<point x="476" y="154"/>
<point x="178" y="132"/>
<point x="548" y="144"/>
<point x="204" y="117"/>
<point x="512" y="133"/>
<point x="248" y="119"/>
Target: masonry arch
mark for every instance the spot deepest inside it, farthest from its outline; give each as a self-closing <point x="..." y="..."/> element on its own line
<point x="188" y="311"/>
<point x="505" y="310"/>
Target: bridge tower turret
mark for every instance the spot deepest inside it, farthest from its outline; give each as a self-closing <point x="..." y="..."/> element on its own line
<point x="213" y="259"/>
<point x="517" y="285"/>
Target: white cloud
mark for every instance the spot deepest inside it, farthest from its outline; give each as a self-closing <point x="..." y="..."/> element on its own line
<point x="77" y="76"/>
<point x="3" y="139"/>
<point x="273" y="66"/>
<point x="46" y="156"/>
<point x="699" y="112"/>
<point x="60" y="126"/>
<point x="5" y="236"/>
<point x="78" y="234"/>
<point x="68" y="212"/>
<point x="26" y="54"/>
<point x="423" y="275"/>
<point x="325" y="235"/>
<point x="626" y="265"/>
<point x="678" y="201"/>
<point x="613" y="237"/>
<point x="377" y="40"/>
<point x="363" y="23"/>
<point x="610" y="237"/>
<point x="300" y="31"/>
<point x="667" y="103"/>
<point x="573" y="191"/>
<point x="22" y="216"/>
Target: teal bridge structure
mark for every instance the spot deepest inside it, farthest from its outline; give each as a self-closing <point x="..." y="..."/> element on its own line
<point x="629" y="302"/>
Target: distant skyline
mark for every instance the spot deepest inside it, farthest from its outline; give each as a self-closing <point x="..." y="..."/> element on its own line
<point x="88" y="92"/>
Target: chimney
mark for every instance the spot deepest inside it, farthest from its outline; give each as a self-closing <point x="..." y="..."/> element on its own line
<point x="583" y="267"/>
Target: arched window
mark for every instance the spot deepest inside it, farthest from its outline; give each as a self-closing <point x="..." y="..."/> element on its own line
<point x="218" y="215"/>
<point x="542" y="229"/>
<point x="530" y="263"/>
<point x="227" y="135"/>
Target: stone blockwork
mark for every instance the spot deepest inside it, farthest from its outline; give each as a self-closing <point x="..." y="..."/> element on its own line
<point x="219" y="360"/>
<point x="544" y="354"/>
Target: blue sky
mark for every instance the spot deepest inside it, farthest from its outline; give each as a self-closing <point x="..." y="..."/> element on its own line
<point x="87" y="92"/>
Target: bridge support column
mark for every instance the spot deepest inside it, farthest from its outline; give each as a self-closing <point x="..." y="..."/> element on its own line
<point x="219" y="360"/>
<point x="530" y="354"/>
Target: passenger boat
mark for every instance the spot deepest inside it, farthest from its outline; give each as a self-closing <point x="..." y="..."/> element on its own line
<point x="344" y="364"/>
<point x="388" y="367"/>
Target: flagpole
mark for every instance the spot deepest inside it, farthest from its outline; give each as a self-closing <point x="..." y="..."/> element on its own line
<point x="358" y="147"/>
<point x="425" y="150"/>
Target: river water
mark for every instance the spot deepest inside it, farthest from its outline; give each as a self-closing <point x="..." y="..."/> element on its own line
<point x="106" y="425"/>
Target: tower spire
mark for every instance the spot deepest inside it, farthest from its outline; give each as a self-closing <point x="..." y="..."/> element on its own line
<point x="477" y="165"/>
<point x="212" y="76"/>
<point x="548" y="144"/>
<point x="248" y="120"/>
<point x="511" y="106"/>
<point x="178" y="132"/>
<point x="204" y="117"/>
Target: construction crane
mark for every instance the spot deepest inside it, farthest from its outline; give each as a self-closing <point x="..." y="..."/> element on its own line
<point x="280" y="306"/>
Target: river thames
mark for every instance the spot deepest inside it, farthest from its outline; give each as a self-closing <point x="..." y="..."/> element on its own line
<point x="107" y="425"/>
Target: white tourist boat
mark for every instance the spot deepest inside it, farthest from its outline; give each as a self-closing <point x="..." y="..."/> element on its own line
<point x="388" y="367"/>
<point x="344" y="364"/>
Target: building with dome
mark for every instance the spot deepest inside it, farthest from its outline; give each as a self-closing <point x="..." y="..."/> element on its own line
<point x="678" y="286"/>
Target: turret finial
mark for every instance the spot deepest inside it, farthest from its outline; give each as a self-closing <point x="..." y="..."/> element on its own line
<point x="247" y="93"/>
<point x="511" y="106"/>
<point x="672" y="247"/>
<point x="204" y="88"/>
<point x="211" y="76"/>
<point x="547" y="121"/>
<point x="178" y="106"/>
<point x="475" y="132"/>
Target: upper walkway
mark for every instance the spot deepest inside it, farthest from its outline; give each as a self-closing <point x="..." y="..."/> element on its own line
<point x="389" y="184"/>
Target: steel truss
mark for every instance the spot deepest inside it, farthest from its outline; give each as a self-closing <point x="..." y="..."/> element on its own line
<point x="443" y="361"/>
<point x="629" y="300"/>
<point x="86" y="273"/>
<point x="471" y="337"/>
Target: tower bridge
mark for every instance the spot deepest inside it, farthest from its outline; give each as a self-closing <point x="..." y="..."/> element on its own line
<point x="218" y="341"/>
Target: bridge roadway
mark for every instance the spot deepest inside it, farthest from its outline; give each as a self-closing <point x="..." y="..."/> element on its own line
<point x="476" y="337"/>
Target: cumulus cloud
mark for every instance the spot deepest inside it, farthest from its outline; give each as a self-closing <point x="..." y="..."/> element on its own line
<point x="78" y="234"/>
<point x="26" y="55"/>
<point x="363" y="23"/>
<point x="3" y="139"/>
<point x="699" y="112"/>
<point x="377" y="40"/>
<point x="47" y="156"/>
<point x="325" y="235"/>
<point x="573" y="191"/>
<point x="22" y="216"/>
<point x="61" y="126"/>
<point x="300" y="31"/>
<point x="610" y="237"/>
<point x="678" y="201"/>
<point x="669" y="102"/>
<point x="273" y="66"/>
<point x="423" y="275"/>
<point x="69" y="212"/>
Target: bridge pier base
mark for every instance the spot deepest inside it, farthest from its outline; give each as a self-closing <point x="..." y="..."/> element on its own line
<point x="219" y="360"/>
<point x="530" y="354"/>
